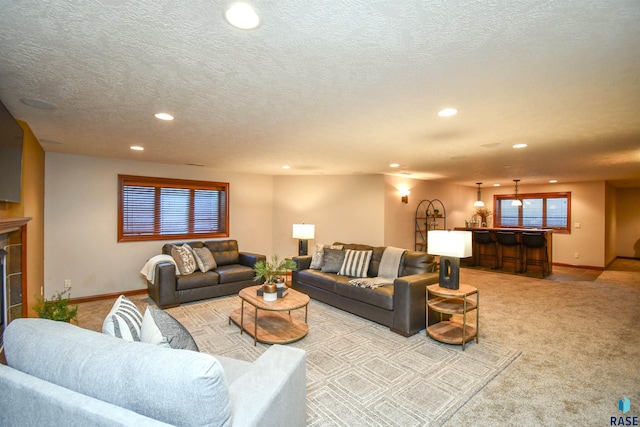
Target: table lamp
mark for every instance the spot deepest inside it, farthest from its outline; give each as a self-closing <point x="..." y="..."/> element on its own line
<point x="450" y="246"/>
<point x="304" y="232"/>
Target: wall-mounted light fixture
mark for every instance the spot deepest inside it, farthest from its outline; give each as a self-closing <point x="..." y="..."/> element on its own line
<point x="479" y="203"/>
<point x="404" y="193"/>
<point x="304" y="232"/>
<point x="516" y="201"/>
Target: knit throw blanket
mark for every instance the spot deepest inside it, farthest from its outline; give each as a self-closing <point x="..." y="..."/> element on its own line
<point x="149" y="269"/>
<point x="387" y="270"/>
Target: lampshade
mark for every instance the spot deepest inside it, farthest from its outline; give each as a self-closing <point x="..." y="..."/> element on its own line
<point x="304" y="231"/>
<point x="455" y="244"/>
<point x="451" y="246"/>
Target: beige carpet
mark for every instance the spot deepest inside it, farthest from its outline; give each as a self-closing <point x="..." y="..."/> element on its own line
<point x="579" y="355"/>
<point x="580" y="350"/>
<point x="358" y="372"/>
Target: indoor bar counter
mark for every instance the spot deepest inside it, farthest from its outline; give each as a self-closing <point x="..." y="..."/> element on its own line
<point x="487" y="252"/>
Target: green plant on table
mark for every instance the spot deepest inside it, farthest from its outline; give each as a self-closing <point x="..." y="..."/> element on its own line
<point x="57" y="308"/>
<point x="271" y="269"/>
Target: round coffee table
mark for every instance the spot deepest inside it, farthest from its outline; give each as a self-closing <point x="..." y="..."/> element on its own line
<point x="274" y="324"/>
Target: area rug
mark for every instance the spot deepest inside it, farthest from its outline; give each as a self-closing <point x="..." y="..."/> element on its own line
<point x="358" y="372"/>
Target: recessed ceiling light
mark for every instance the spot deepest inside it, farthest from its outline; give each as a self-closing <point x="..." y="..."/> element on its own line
<point x="242" y="15"/>
<point x="496" y="185"/>
<point x="286" y="167"/>
<point x="448" y="112"/>
<point x="163" y="116"/>
<point x="38" y="103"/>
<point x="553" y="181"/>
<point x="137" y="148"/>
<point x="394" y="165"/>
<point x="519" y="145"/>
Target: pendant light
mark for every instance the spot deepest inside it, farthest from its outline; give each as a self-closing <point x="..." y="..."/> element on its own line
<point x="516" y="201"/>
<point x="479" y="203"/>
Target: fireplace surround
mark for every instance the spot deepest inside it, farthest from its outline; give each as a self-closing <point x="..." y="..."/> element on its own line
<point x="13" y="271"/>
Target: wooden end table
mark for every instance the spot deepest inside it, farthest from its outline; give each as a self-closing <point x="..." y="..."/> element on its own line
<point x="270" y="322"/>
<point x="448" y="302"/>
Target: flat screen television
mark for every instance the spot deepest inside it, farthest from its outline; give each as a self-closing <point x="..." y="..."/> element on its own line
<point x="11" y="136"/>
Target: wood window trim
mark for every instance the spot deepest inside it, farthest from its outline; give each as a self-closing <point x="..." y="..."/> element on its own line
<point x="547" y="195"/>
<point x="158" y="183"/>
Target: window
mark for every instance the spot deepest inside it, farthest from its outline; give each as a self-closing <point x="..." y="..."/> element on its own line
<point x="163" y="209"/>
<point x="540" y="210"/>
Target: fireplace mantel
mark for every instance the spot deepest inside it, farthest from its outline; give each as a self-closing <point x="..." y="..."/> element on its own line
<point x="7" y="225"/>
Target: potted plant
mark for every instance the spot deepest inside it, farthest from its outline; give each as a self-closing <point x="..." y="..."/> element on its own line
<point x="482" y="213"/>
<point x="436" y="213"/>
<point x="57" y="308"/>
<point x="272" y="271"/>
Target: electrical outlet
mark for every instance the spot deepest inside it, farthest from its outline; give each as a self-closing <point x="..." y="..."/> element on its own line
<point x="67" y="283"/>
<point x="576" y="255"/>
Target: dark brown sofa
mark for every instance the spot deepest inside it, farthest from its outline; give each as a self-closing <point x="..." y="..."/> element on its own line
<point x="401" y="306"/>
<point x="233" y="273"/>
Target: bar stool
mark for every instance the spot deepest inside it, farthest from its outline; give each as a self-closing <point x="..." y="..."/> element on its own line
<point x="482" y="239"/>
<point x="535" y="242"/>
<point x="511" y="240"/>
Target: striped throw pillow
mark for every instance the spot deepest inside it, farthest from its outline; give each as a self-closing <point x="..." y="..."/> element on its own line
<point x="356" y="263"/>
<point x="123" y="321"/>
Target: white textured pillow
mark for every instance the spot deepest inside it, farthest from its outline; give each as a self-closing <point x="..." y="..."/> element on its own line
<point x="183" y="256"/>
<point x="161" y="328"/>
<point x="150" y="333"/>
<point x="123" y="321"/>
<point x="356" y="263"/>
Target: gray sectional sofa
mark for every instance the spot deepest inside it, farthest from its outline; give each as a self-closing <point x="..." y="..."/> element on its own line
<point x="234" y="271"/>
<point x="401" y="306"/>
<point x="60" y="374"/>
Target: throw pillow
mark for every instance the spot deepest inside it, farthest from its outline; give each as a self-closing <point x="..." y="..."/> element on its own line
<point x="318" y="255"/>
<point x="161" y="328"/>
<point x="124" y="320"/>
<point x="183" y="256"/>
<point x="332" y="260"/>
<point x="356" y="263"/>
<point x="204" y="259"/>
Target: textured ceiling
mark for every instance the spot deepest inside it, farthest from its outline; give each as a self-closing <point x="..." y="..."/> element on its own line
<point x="336" y="86"/>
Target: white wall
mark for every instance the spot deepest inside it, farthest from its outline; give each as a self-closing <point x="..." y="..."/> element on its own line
<point x="610" y="223"/>
<point x="81" y="217"/>
<point x="81" y="221"/>
<point x="628" y="222"/>
<point x="400" y="218"/>
<point x="343" y="208"/>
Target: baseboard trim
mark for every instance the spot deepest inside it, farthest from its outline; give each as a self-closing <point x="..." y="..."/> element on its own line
<point x="586" y="267"/>
<point x="107" y="296"/>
